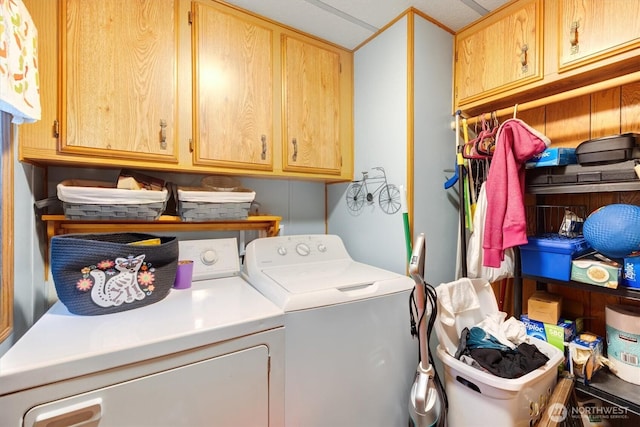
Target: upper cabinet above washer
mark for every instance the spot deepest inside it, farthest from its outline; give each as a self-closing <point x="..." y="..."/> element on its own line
<point x="312" y="107"/>
<point x="232" y="89"/>
<point x="118" y="78"/>
<point x="594" y="30"/>
<point x="501" y="52"/>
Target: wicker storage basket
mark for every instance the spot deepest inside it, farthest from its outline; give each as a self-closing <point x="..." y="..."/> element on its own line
<point x="201" y="204"/>
<point x="97" y="200"/>
<point x="112" y="272"/>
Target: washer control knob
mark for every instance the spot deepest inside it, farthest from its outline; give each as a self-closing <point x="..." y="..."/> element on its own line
<point x="322" y="247"/>
<point x="282" y="250"/>
<point x="303" y="249"/>
<point x="209" y="257"/>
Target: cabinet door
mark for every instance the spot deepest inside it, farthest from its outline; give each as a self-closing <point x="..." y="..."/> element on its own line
<point x="500" y="53"/>
<point x="228" y="390"/>
<point x="119" y="78"/>
<point x="40" y="136"/>
<point x="596" y="29"/>
<point x="233" y="89"/>
<point x="312" y="107"/>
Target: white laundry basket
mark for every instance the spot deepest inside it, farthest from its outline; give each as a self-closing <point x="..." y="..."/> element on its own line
<point x="479" y="398"/>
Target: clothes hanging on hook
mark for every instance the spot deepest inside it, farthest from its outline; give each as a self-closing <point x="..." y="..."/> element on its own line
<point x="505" y="223"/>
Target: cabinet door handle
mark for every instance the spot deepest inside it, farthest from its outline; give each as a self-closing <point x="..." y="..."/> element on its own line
<point x="83" y="413"/>
<point x="56" y="129"/>
<point x="163" y="134"/>
<point x="263" y="155"/>
<point x="524" y="66"/>
<point x="573" y="37"/>
<point x="294" y="157"/>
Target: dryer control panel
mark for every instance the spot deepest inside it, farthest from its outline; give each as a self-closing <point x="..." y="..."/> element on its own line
<point x="212" y="258"/>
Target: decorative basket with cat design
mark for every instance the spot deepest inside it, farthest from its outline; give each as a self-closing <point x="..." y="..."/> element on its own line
<point x="112" y="272"/>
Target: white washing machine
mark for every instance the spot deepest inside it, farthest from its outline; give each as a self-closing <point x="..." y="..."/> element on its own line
<point x="211" y="355"/>
<point x="350" y="359"/>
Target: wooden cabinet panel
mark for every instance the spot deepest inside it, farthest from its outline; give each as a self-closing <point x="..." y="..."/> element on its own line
<point x="567" y="122"/>
<point x="118" y="77"/>
<point x="232" y="90"/>
<point x="605" y="113"/>
<point x="591" y="30"/>
<point x="41" y="135"/>
<point x="500" y="52"/>
<point x="630" y="108"/>
<point x="312" y="106"/>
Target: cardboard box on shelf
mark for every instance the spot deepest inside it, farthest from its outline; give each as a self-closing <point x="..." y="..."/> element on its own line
<point x="545" y="307"/>
<point x="594" y="271"/>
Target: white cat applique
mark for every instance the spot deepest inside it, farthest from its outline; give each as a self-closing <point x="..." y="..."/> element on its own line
<point x="114" y="283"/>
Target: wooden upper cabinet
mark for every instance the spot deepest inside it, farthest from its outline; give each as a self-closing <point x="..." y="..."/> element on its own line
<point x="188" y="86"/>
<point x="499" y="53"/>
<point x="118" y="79"/>
<point x="232" y="89"/>
<point x="312" y="107"/>
<point x="591" y="30"/>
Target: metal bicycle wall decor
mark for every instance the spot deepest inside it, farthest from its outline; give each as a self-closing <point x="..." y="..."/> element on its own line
<point x="366" y="189"/>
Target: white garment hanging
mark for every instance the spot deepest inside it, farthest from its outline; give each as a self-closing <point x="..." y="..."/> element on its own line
<point x="475" y="269"/>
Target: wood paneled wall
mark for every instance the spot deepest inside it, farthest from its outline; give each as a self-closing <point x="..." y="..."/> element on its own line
<point x="567" y="124"/>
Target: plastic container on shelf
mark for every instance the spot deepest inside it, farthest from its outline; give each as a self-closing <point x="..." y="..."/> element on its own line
<point x="623" y="341"/>
<point x="550" y="255"/>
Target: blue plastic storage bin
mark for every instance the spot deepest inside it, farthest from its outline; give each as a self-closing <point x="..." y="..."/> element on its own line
<point x="550" y="256"/>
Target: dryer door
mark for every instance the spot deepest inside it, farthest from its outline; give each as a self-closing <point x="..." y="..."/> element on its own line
<point x="229" y="390"/>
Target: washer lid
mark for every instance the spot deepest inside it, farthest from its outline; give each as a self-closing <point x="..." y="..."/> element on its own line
<point x="314" y="277"/>
<point x="312" y="285"/>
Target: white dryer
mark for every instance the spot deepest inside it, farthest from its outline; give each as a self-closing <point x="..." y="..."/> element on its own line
<point x="350" y="359"/>
<point x="211" y="355"/>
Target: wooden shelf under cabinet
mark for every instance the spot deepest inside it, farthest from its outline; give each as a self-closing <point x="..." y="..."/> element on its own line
<point x="266" y="225"/>
<point x="59" y="224"/>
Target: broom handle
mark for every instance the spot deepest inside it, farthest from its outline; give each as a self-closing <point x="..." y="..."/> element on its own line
<point x="461" y="186"/>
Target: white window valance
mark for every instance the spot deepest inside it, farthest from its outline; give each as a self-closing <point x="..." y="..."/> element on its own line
<point x="19" y="80"/>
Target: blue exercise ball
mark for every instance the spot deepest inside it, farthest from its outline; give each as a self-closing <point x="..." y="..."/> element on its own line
<point x="614" y="230"/>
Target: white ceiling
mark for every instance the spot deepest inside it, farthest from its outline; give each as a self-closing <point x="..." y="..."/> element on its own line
<point x="348" y="23"/>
